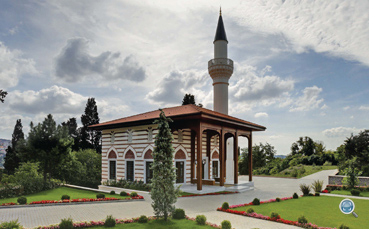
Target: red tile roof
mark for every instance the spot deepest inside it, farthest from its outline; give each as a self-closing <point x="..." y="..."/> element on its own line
<point x="173" y="112"/>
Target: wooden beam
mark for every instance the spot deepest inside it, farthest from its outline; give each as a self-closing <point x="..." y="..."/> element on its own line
<point x="199" y="158"/>
<point x="250" y="157"/>
<point x="221" y="157"/>
<point x="235" y="157"/>
<point x="193" y="135"/>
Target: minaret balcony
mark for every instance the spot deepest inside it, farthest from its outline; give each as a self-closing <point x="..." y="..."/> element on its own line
<point x="220" y="66"/>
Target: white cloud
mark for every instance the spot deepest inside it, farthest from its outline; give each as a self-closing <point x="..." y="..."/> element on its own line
<point x="364" y="108"/>
<point x="339" y="28"/>
<point x="324" y="107"/>
<point x="346" y="108"/>
<point x="309" y="100"/>
<point x="74" y="63"/>
<point x="261" y="115"/>
<point x="12" y="66"/>
<point x="340" y="132"/>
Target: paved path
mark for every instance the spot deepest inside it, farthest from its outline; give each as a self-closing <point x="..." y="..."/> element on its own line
<point x="265" y="188"/>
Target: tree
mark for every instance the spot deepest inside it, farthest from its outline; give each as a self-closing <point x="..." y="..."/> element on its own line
<point x="163" y="192"/>
<point x="47" y="144"/>
<point x="269" y="151"/>
<point x="352" y="172"/>
<point x="188" y="99"/>
<point x="12" y="159"/>
<point x="2" y="95"/>
<point x="243" y="162"/>
<point x="90" y="139"/>
<point x="71" y="124"/>
<point x="358" y="146"/>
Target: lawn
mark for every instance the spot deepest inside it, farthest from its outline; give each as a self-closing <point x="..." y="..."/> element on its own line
<point x="309" y="169"/>
<point x="322" y="211"/>
<point x="171" y="224"/>
<point x="56" y="194"/>
<point x="348" y="193"/>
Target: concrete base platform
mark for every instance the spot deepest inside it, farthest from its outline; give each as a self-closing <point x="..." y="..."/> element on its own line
<point x="243" y="186"/>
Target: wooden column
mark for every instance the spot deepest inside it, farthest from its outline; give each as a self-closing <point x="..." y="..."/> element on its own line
<point x="221" y="157"/>
<point x="208" y="153"/>
<point x="250" y="156"/>
<point x="235" y="157"/>
<point x="193" y="135"/>
<point x="199" y="158"/>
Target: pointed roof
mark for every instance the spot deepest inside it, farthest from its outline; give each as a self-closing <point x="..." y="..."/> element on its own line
<point x="220" y="34"/>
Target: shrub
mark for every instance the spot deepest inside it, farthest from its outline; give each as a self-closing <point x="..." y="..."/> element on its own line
<point x="305" y="189"/>
<point x="317" y="185"/>
<point x="66" y="224"/>
<point x="355" y="192"/>
<point x="134" y="194"/>
<point x="178" y="214"/>
<point x="343" y="226"/>
<point x="100" y="196"/>
<point x="112" y="192"/>
<point x="123" y="193"/>
<point x="143" y="219"/>
<point x="256" y="201"/>
<point x="250" y="210"/>
<point x="275" y="215"/>
<point x="14" y="224"/>
<point x="226" y="224"/>
<point x="295" y="196"/>
<point x="201" y="219"/>
<point x="22" y="200"/>
<point x="302" y="220"/>
<point x="278" y="199"/>
<point x="317" y="194"/>
<point x="65" y="197"/>
<point x="294" y="173"/>
<point x="109" y="221"/>
<point x="225" y="206"/>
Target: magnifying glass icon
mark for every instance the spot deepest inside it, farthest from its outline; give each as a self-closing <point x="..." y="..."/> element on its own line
<point x="347" y="206"/>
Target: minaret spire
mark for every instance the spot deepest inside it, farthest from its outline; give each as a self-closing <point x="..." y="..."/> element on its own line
<point x="220" y="11"/>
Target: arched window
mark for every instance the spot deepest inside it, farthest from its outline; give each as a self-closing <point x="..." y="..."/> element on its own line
<point x="112" y="158"/>
<point x="149" y="134"/>
<point x="130" y="133"/>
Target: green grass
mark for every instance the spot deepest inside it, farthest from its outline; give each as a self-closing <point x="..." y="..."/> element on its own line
<point x="348" y="193"/>
<point x="309" y="169"/>
<point x="158" y="224"/>
<point x="322" y="211"/>
<point x="56" y="194"/>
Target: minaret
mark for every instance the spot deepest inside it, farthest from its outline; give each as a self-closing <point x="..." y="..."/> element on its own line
<point x="220" y="68"/>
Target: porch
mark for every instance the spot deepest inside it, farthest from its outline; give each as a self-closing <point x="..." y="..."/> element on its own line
<point x="242" y="186"/>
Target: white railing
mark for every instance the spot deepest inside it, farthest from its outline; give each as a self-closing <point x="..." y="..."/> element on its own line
<point x="220" y="61"/>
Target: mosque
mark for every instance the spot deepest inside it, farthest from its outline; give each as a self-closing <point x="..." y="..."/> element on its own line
<point x="205" y="142"/>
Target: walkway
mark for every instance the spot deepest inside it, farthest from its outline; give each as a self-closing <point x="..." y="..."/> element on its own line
<point x="265" y="188"/>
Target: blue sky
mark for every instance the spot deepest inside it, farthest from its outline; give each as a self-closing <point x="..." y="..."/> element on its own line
<point x="301" y="67"/>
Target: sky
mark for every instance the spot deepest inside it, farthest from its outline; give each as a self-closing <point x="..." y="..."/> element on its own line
<point x="301" y="68"/>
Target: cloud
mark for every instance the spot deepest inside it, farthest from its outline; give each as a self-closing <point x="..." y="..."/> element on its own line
<point x="340" y="132"/>
<point x="54" y="100"/>
<point x="261" y="115"/>
<point x="309" y="100"/>
<point x="74" y="63"/>
<point x="364" y="108"/>
<point x="12" y="66"/>
<point x="339" y="28"/>
<point x="346" y="108"/>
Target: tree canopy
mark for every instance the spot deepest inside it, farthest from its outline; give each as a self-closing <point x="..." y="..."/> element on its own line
<point x="12" y="159"/>
<point x="188" y="99"/>
<point x="2" y="95"/>
<point x="90" y="139"/>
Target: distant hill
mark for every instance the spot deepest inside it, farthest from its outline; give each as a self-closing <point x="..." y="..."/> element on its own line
<point x="280" y="156"/>
<point x="3" y="146"/>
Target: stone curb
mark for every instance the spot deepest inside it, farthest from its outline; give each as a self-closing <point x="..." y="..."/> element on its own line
<point x="345" y="196"/>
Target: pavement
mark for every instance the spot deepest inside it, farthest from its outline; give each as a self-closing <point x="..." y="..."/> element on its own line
<point x="265" y="188"/>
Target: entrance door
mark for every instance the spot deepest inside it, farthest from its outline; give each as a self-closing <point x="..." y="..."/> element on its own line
<point x="180" y="171"/>
<point x="149" y="172"/>
<point x="215" y="169"/>
<point x="112" y="170"/>
<point x="130" y="170"/>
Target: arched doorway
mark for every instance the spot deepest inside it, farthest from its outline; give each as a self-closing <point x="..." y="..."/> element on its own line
<point x="112" y="159"/>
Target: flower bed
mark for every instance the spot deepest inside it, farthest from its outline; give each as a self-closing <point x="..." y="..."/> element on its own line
<point x="209" y="194"/>
<point x="276" y="219"/>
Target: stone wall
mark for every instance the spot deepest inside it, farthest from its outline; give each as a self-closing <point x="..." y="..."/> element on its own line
<point x="337" y="180"/>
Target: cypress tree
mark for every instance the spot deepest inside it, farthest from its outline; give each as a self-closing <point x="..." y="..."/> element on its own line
<point x="163" y="192"/>
<point x="12" y="159"/>
<point x="90" y="139"/>
<point x="188" y="99"/>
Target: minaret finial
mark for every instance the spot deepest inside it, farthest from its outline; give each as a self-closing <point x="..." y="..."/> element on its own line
<point x="220" y="11"/>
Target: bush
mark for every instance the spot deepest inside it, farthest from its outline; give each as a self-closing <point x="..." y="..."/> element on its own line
<point x="355" y="192"/>
<point x="305" y="189"/>
<point x="278" y="199"/>
<point x="178" y="214"/>
<point x="302" y="220"/>
<point x="225" y="206"/>
<point x="143" y="219"/>
<point x="294" y="173"/>
<point x="109" y="221"/>
<point x="65" y="197"/>
<point x="317" y="194"/>
<point x="123" y="193"/>
<point x="250" y="210"/>
<point x="112" y="192"/>
<point x="317" y="185"/>
<point x="14" y="224"/>
<point x="295" y="196"/>
<point x="66" y="224"/>
<point x="226" y="224"/>
<point x="275" y="215"/>
<point x="256" y="201"/>
<point x="100" y="196"/>
<point x="201" y="219"/>
<point x="22" y="200"/>
<point x="134" y="194"/>
<point x="343" y="226"/>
